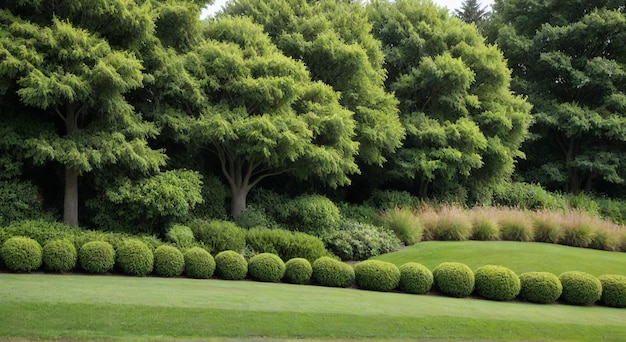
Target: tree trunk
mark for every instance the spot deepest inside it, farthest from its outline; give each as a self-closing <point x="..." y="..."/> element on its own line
<point x="238" y="202"/>
<point x="70" y="201"/>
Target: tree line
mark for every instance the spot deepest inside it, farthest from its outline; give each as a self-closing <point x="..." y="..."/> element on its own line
<point x="137" y="110"/>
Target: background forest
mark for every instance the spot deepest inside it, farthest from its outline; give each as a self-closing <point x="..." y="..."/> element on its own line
<point x="135" y="115"/>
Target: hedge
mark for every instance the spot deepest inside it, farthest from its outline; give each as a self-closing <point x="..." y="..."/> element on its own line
<point x="496" y="283"/>
<point x="454" y="279"/>
<point x="168" y="261"/>
<point x="21" y="254"/>
<point x="613" y="290"/>
<point x="334" y="273"/>
<point x="540" y="287"/>
<point x="415" y="278"/>
<point x="133" y="257"/>
<point x="199" y="264"/>
<point x="377" y="275"/>
<point x="580" y="288"/>
<point x="266" y="267"/>
<point x="298" y="271"/>
<point x="230" y="265"/>
<point x="60" y="255"/>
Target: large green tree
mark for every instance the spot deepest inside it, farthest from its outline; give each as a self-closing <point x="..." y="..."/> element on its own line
<point x="464" y="126"/>
<point x="258" y="112"/>
<point x="71" y="64"/>
<point x="471" y="11"/>
<point x="334" y="40"/>
<point x="570" y="59"/>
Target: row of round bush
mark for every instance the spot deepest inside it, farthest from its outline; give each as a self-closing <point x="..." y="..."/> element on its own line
<point x="133" y="257"/>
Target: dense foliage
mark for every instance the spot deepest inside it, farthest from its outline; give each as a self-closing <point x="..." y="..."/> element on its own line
<point x="377" y="275"/>
<point x="415" y="278"/>
<point x="168" y="261"/>
<point x="580" y="288"/>
<point x="266" y="267"/>
<point x="613" y="290"/>
<point x="230" y="265"/>
<point x="133" y="257"/>
<point x="540" y="287"/>
<point x="454" y="279"/>
<point x="199" y="263"/>
<point x="21" y="254"/>
<point x="298" y="271"/>
<point x="333" y="273"/>
<point x="96" y="256"/>
<point x="496" y="283"/>
<point x="60" y="255"/>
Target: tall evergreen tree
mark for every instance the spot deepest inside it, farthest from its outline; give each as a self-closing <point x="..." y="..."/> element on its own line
<point x="471" y="11"/>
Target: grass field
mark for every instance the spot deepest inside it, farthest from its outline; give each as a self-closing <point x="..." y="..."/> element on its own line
<point x="519" y="256"/>
<point x="37" y="306"/>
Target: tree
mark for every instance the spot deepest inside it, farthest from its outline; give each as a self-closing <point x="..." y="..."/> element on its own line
<point x="570" y="60"/>
<point x="71" y="64"/>
<point x="472" y="12"/>
<point x="259" y="112"/>
<point x="464" y="126"/>
<point x="334" y="41"/>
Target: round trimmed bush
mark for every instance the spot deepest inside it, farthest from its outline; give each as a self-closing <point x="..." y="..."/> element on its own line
<point x="415" y="278"/>
<point x="21" y="254"/>
<point x="199" y="264"/>
<point x="540" y="287"/>
<point x="231" y="265"/>
<point x="454" y="279"/>
<point x="168" y="261"/>
<point x="298" y="271"/>
<point x="96" y="256"/>
<point x="580" y="288"/>
<point x="135" y="258"/>
<point x="377" y="275"/>
<point x="334" y="273"/>
<point x="266" y="267"/>
<point x="613" y="290"/>
<point x="496" y="283"/>
<point x="60" y="255"/>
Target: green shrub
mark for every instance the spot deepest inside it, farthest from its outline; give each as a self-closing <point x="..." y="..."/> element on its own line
<point x="584" y="203"/>
<point x="96" y="256"/>
<point x="540" y="287"/>
<point x="39" y="230"/>
<point x="219" y="235"/>
<point x="231" y="265"/>
<point x="404" y="223"/>
<point x="484" y="227"/>
<point x="415" y="278"/>
<point x="298" y="271"/>
<point x="526" y="196"/>
<point x="21" y="254"/>
<point x="604" y="240"/>
<point x="547" y="227"/>
<point x="580" y="288"/>
<point x="613" y="209"/>
<point x="181" y="235"/>
<point x="21" y="200"/>
<point x="377" y="275"/>
<point x="516" y="226"/>
<point x="60" y="255"/>
<point x="199" y="264"/>
<point x="287" y="245"/>
<point x="334" y="273"/>
<point x="214" y="193"/>
<point x="362" y="213"/>
<point x="168" y="261"/>
<point x="390" y="199"/>
<point x="359" y="241"/>
<point x="266" y="267"/>
<point x="313" y="214"/>
<point x="613" y="290"/>
<point x="496" y="283"/>
<point x="454" y="279"/>
<point x="134" y="257"/>
<point x="253" y="216"/>
<point x="622" y="244"/>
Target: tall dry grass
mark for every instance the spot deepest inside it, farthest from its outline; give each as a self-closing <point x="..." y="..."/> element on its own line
<point x="445" y="223"/>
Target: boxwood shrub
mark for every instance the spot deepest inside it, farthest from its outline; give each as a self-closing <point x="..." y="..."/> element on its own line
<point x="540" y="287"/>
<point x="199" y="264"/>
<point x="60" y="255"/>
<point x="454" y="279"/>
<point x="266" y="267"/>
<point x="613" y="290"/>
<point x="96" y="256"/>
<point x="377" y="275"/>
<point x="298" y="271"/>
<point x="331" y="272"/>
<point x="313" y="214"/>
<point x="219" y="235"/>
<point x="415" y="278"/>
<point x="181" y="235"/>
<point x="358" y="241"/>
<point x="230" y="265"/>
<point x="580" y="288"/>
<point x="168" y="261"/>
<point x="21" y="254"/>
<point x="133" y="257"/>
<point x="496" y="283"/>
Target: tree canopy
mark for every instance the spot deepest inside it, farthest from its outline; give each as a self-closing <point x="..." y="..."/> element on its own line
<point x="569" y="58"/>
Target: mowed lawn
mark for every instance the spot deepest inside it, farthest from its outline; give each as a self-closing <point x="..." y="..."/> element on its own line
<point x="519" y="256"/>
<point x="77" y="307"/>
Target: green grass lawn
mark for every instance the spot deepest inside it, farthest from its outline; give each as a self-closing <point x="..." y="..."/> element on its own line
<point x="519" y="256"/>
<point x="39" y="306"/>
